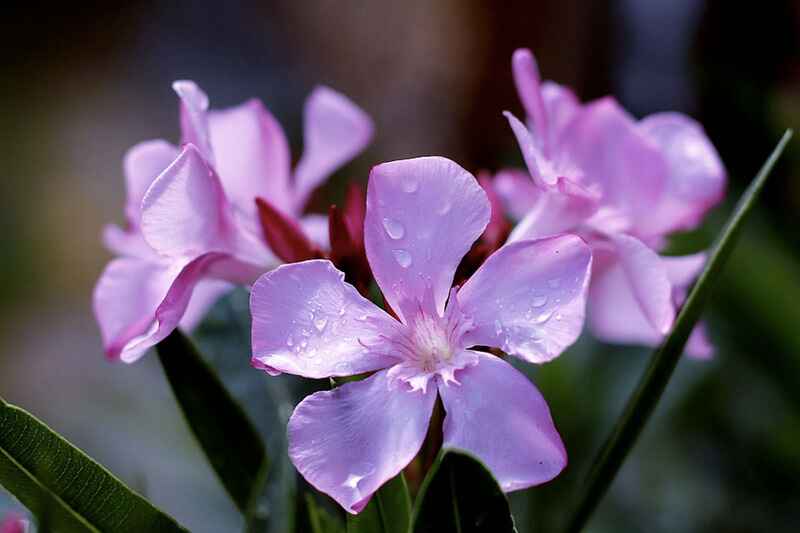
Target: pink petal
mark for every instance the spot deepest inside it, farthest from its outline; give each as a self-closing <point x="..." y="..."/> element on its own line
<point x="528" y="83"/>
<point x="605" y="142"/>
<point x="204" y="296"/>
<point x="308" y="321"/>
<point x="497" y="414"/>
<point x="13" y="523"/>
<point x="696" y="177"/>
<point x="683" y="270"/>
<point x="558" y="209"/>
<point x="142" y="164"/>
<point x="539" y="167"/>
<point x="185" y="212"/>
<point x="517" y="192"/>
<point x="194" y="119"/>
<point x="316" y="228"/>
<point x="561" y="106"/>
<point x="252" y="156"/>
<point x="138" y="303"/>
<point x="529" y="297"/>
<point x="335" y="130"/>
<point x="422" y="217"/>
<point x="646" y="275"/>
<point x="128" y="242"/>
<point x="349" y="441"/>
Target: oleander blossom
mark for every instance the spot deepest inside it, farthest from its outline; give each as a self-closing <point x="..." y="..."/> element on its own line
<point x="195" y="214"/>
<point x="527" y="298"/>
<point x="623" y="185"/>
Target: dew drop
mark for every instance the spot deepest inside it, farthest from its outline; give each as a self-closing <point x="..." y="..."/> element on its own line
<point x="402" y="257"/>
<point x="539" y="301"/>
<point x="394" y="229"/>
<point x="498" y="327"/>
<point x="554" y="283"/>
<point x="320" y="323"/>
<point x="444" y="208"/>
<point x="544" y="317"/>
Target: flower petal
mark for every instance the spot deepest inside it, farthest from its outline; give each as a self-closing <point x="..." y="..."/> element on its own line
<point x="185" y="212"/>
<point x="155" y="297"/>
<point x="528" y="83"/>
<point x="252" y="156"/>
<point x="335" y="130"/>
<point x="561" y="106"/>
<point x="497" y="414"/>
<point x="142" y="164"/>
<point x="529" y="297"/>
<point x="557" y="210"/>
<point x="204" y="296"/>
<point x="696" y="177"/>
<point x="194" y="119"/>
<point x="422" y="216"/>
<point x="517" y="192"/>
<point x="540" y="169"/>
<point x="606" y="144"/>
<point x="349" y="441"/>
<point x="646" y="276"/>
<point x="308" y="321"/>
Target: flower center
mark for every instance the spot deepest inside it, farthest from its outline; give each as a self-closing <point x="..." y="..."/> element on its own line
<point x="431" y="343"/>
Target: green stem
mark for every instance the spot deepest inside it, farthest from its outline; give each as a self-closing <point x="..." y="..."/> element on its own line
<point x="655" y="378"/>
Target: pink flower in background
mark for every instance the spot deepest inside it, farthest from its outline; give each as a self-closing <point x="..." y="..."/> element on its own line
<point x="13" y="523"/>
<point x="527" y="298"/>
<point x="193" y="225"/>
<point x="621" y="184"/>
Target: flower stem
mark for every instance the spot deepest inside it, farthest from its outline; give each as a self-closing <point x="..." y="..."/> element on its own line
<point x="644" y="399"/>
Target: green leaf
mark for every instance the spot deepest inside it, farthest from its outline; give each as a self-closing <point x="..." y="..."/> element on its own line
<point x="227" y="437"/>
<point x="320" y="521"/>
<point x="645" y="397"/>
<point x="460" y="495"/>
<point x="57" y="481"/>
<point x="388" y="511"/>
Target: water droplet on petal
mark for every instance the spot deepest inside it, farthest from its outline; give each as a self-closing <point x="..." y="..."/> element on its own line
<point x="444" y="208"/>
<point x="544" y="317"/>
<point x="320" y="323"/>
<point x="539" y="301"/>
<point x="394" y="229"/>
<point x="554" y="283"/>
<point x="402" y="257"/>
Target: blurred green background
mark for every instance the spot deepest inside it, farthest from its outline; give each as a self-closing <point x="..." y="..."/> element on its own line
<point x="81" y="84"/>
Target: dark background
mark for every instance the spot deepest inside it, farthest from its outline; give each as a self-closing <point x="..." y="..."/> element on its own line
<point x="82" y="83"/>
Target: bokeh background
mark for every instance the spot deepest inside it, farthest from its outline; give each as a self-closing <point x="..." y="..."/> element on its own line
<point x="81" y="83"/>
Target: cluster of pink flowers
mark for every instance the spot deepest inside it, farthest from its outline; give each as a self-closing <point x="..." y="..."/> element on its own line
<point x="600" y="194"/>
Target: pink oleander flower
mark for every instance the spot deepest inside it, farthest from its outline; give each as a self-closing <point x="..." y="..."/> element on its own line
<point x="13" y="523"/>
<point x="196" y="216"/>
<point x="527" y="298"/>
<point x="623" y="186"/>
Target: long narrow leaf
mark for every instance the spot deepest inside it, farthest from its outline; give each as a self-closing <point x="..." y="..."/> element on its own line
<point x="460" y="495"/>
<point x="222" y="428"/>
<point x="388" y="511"/>
<point x="655" y="378"/>
<point x="58" y="482"/>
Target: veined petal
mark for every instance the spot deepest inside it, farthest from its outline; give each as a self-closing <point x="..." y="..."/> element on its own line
<point x="185" y="212"/>
<point x="561" y="106"/>
<point x="497" y="414"/>
<point x="252" y="156"/>
<point x="335" y="130"/>
<point x="422" y="216"/>
<point x="308" y="321"/>
<point x="529" y="297"/>
<point x="696" y="177"/>
<point x="349" y="441"/>
<point x="138" y="303"/>
<point x="194" y="119"/>
<point x="142" y="165"/>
